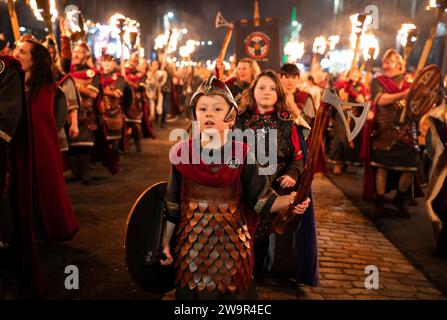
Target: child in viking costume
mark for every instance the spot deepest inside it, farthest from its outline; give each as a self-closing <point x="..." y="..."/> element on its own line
<point x="214" y="206"/>
<point x="294" y="253"/>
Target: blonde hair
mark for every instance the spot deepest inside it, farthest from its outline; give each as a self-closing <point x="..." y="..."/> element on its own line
<point x="254" y="66"/>
<point x="390" y="53"/>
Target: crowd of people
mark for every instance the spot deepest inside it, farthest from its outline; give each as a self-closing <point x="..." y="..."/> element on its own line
<point x="62" y="109"/>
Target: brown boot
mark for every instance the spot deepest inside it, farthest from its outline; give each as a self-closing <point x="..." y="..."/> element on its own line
<point x="75" y="168"/>
<point x="399" y="202"/>
<point x="85" y="168"/>
<point x="337" y="169"/>
<point x="377" y="211"/>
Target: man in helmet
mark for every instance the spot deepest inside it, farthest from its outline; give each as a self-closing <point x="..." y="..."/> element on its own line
<point x="88" y="84"/>
<point x="215" y="204"/>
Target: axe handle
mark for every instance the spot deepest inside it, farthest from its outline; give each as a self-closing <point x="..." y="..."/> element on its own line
<point x="225" y="44"/>
<point x="403" y="115"/>
<point x="279" y="223"/>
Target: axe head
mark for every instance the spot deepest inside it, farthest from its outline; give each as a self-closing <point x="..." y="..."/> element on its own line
<point x="331" y="98"/>
<point x="221" y="22"/>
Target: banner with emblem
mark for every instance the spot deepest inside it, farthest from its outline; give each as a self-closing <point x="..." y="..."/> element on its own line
<point x="260" y="43"/>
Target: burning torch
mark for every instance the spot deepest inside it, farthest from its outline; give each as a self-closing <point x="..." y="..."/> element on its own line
<point x="408" y="36"/>
<point x="441" y="6"/>
<point x="14" y="20"/>
<point x="119" y="21"/>
<point x="370" y="53"/>
<point x="318" y="49"/>
<point x="45" y="10"/>
<point x="359" y="22"/>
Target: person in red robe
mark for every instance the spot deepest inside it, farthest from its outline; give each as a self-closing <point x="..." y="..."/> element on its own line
<point x="17" y="243"/>
<point x="53" y="215"/>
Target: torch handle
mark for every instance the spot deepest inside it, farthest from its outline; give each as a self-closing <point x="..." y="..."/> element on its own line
<point x="430" y="39"/>
<point x="315" y="65"/>
<point x="123" y="62"/>
<point x="406" y="55"/>
<point x="14" y="19"/>
<point x="403" y="115"/>
<point x="356" y="51"/>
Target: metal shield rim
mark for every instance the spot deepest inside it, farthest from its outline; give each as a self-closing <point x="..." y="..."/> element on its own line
<point x="137" y="271"/>
<point x="415" y="85"/>
<point x="129" y="215"/>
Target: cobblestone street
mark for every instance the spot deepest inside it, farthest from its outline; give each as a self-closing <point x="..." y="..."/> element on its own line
<point x="348" y="242"/>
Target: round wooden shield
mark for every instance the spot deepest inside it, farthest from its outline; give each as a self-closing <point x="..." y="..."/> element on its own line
<point x="142" y="242"/>
<point x="424" y="91"/>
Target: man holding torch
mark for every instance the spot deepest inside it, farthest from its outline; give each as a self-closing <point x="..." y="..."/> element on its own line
<point x="395" y="149"/>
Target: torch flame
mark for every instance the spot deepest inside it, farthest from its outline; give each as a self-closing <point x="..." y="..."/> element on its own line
<point x="38" y="12"/>
<point x="294" y="49"/>
<point x="126" y="27"/>
<point x="186" y="50"/>
<point x="117" y="19"/>
<point x="433" y="4"/>
<point x="357" y="26"/>
<point x="161" y="40"/>
<point x="319" y="45"/>
<point x="358" y="29"/>
<point x="370" y="46"/>
<point x="333" y="41"/>
<point x="72" y="21"/>
<point x="404" y="32"/>
<point x="172" y="45"/>
<point x="131" y="32"/>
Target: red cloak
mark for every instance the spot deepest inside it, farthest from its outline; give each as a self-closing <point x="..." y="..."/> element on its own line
<point x="32" y="274"/>
<point x="52" y="202"/>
